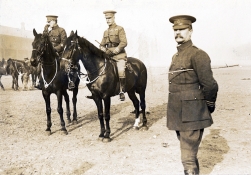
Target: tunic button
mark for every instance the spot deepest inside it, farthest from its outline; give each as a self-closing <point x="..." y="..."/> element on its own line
<point x="195" y="98"/>
<point x="172" y="73"/>
<point x="170" y="82"/>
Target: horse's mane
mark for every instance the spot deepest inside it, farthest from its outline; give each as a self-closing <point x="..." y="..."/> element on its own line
<point x="96" y="51"/>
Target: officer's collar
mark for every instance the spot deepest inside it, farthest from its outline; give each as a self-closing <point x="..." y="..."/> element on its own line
<point x="184" y="45"/>
<point x="113" y="25"/>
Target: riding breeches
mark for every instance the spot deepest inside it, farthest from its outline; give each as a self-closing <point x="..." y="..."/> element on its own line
<point x="189" y="146"/>
<point x="121" y="68"/>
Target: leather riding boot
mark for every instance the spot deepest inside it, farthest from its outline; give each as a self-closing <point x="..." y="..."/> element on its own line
<point x="122" y="89"/>
<point x="192" y="172"/>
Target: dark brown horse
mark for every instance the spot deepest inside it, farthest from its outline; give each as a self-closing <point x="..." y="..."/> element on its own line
<point x="15" y="68"/>
<point x="54" y="78"/>
<point x="104" y="81"/>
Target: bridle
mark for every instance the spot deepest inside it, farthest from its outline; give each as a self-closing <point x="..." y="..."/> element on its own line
<point x="40" y="52"/>
<point x="77" y="47"/>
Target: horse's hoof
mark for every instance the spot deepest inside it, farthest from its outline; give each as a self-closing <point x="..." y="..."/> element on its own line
<point x="135" y="127"/>
<point x="144" y="128"/>
<point x="74" y="122"/>
<point x="106" y="140"/>
<point x="64" y="132"/>
<point x="48" y="133"/>
<point x="100" y="139"/>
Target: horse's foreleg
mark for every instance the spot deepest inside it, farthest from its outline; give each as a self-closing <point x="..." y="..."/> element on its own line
<point x="74" y="101"/>
<point x="99" y="105"/>
<point x="107" y="103"/>
<point x="48" y="111"/>
<point x="60" y="112"/>
<point x="68" y="111"/>
<point x="135" y="102"/>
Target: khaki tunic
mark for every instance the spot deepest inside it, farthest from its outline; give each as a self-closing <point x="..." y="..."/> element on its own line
<point x="113" y="37"/>
<point x="190" y="89"/>
<point x="57" y="37"/>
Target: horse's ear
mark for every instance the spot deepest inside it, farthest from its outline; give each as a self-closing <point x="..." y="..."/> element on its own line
<point x="34" y="32"/>
<point x="72" y="33"/>
<point x="76" y="33"/>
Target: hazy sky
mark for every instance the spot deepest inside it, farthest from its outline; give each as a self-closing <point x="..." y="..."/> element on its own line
<point x="221" y="26"/>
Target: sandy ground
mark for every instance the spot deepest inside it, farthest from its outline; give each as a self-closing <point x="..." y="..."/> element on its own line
<point x="25" y="149"/>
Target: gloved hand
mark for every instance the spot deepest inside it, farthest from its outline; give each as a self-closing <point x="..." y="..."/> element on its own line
<point x="116" y="51"/>
<point x="108" y="52"/>
<point x="46" y="27"/>
<point x="211" y="106"/>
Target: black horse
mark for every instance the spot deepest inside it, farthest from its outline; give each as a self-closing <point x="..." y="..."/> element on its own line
<point x="104" y="81"/>
<point x="55" y="78"/>
<point x="15" y="68"/>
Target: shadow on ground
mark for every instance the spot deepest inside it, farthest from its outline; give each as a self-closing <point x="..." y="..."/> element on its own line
<point x="211" y="151"/>
<point x="155" y="114"/>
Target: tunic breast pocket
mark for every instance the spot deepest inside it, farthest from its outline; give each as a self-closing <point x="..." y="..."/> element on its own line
<point x="114" y="36"/>
<point x="194" y="107"/>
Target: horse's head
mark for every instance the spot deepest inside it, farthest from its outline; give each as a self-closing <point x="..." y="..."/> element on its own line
<point x="41" y="48"/>
<point x="72" y="51"/>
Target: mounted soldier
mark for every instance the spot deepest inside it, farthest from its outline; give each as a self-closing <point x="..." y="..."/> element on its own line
<point x="57" y="37"/>
<point x="113" y="44"/>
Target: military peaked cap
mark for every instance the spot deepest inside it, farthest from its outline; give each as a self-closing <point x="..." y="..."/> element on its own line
<point x="109" y="13"/>
<point x="182" y="21"/>
<point x="51" y="17"/>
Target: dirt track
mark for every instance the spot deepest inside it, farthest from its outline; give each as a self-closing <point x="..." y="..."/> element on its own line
<point x="26" y="149"/>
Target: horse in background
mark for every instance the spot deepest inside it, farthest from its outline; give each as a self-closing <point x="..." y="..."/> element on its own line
<point x="54" y="79"/>
<point x="29" y="79"/>
<point x="3" y="64"/>
<point x="104" y="81"/>
<point x="15" y="68"/>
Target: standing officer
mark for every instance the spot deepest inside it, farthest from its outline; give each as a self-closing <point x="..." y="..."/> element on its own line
<point x="113" y="43"/>
<point x="192" y="93"/>
<point x="57" y="37"/>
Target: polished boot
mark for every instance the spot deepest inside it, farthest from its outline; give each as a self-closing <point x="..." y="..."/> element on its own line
<point x="192" y="172"/>
<point x="122" y="89"/>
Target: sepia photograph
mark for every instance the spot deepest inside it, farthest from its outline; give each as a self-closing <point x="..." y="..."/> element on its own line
<point x="125" y="87"/>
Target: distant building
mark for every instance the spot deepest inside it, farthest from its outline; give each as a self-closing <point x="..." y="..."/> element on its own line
<point x="15" y="43"/>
